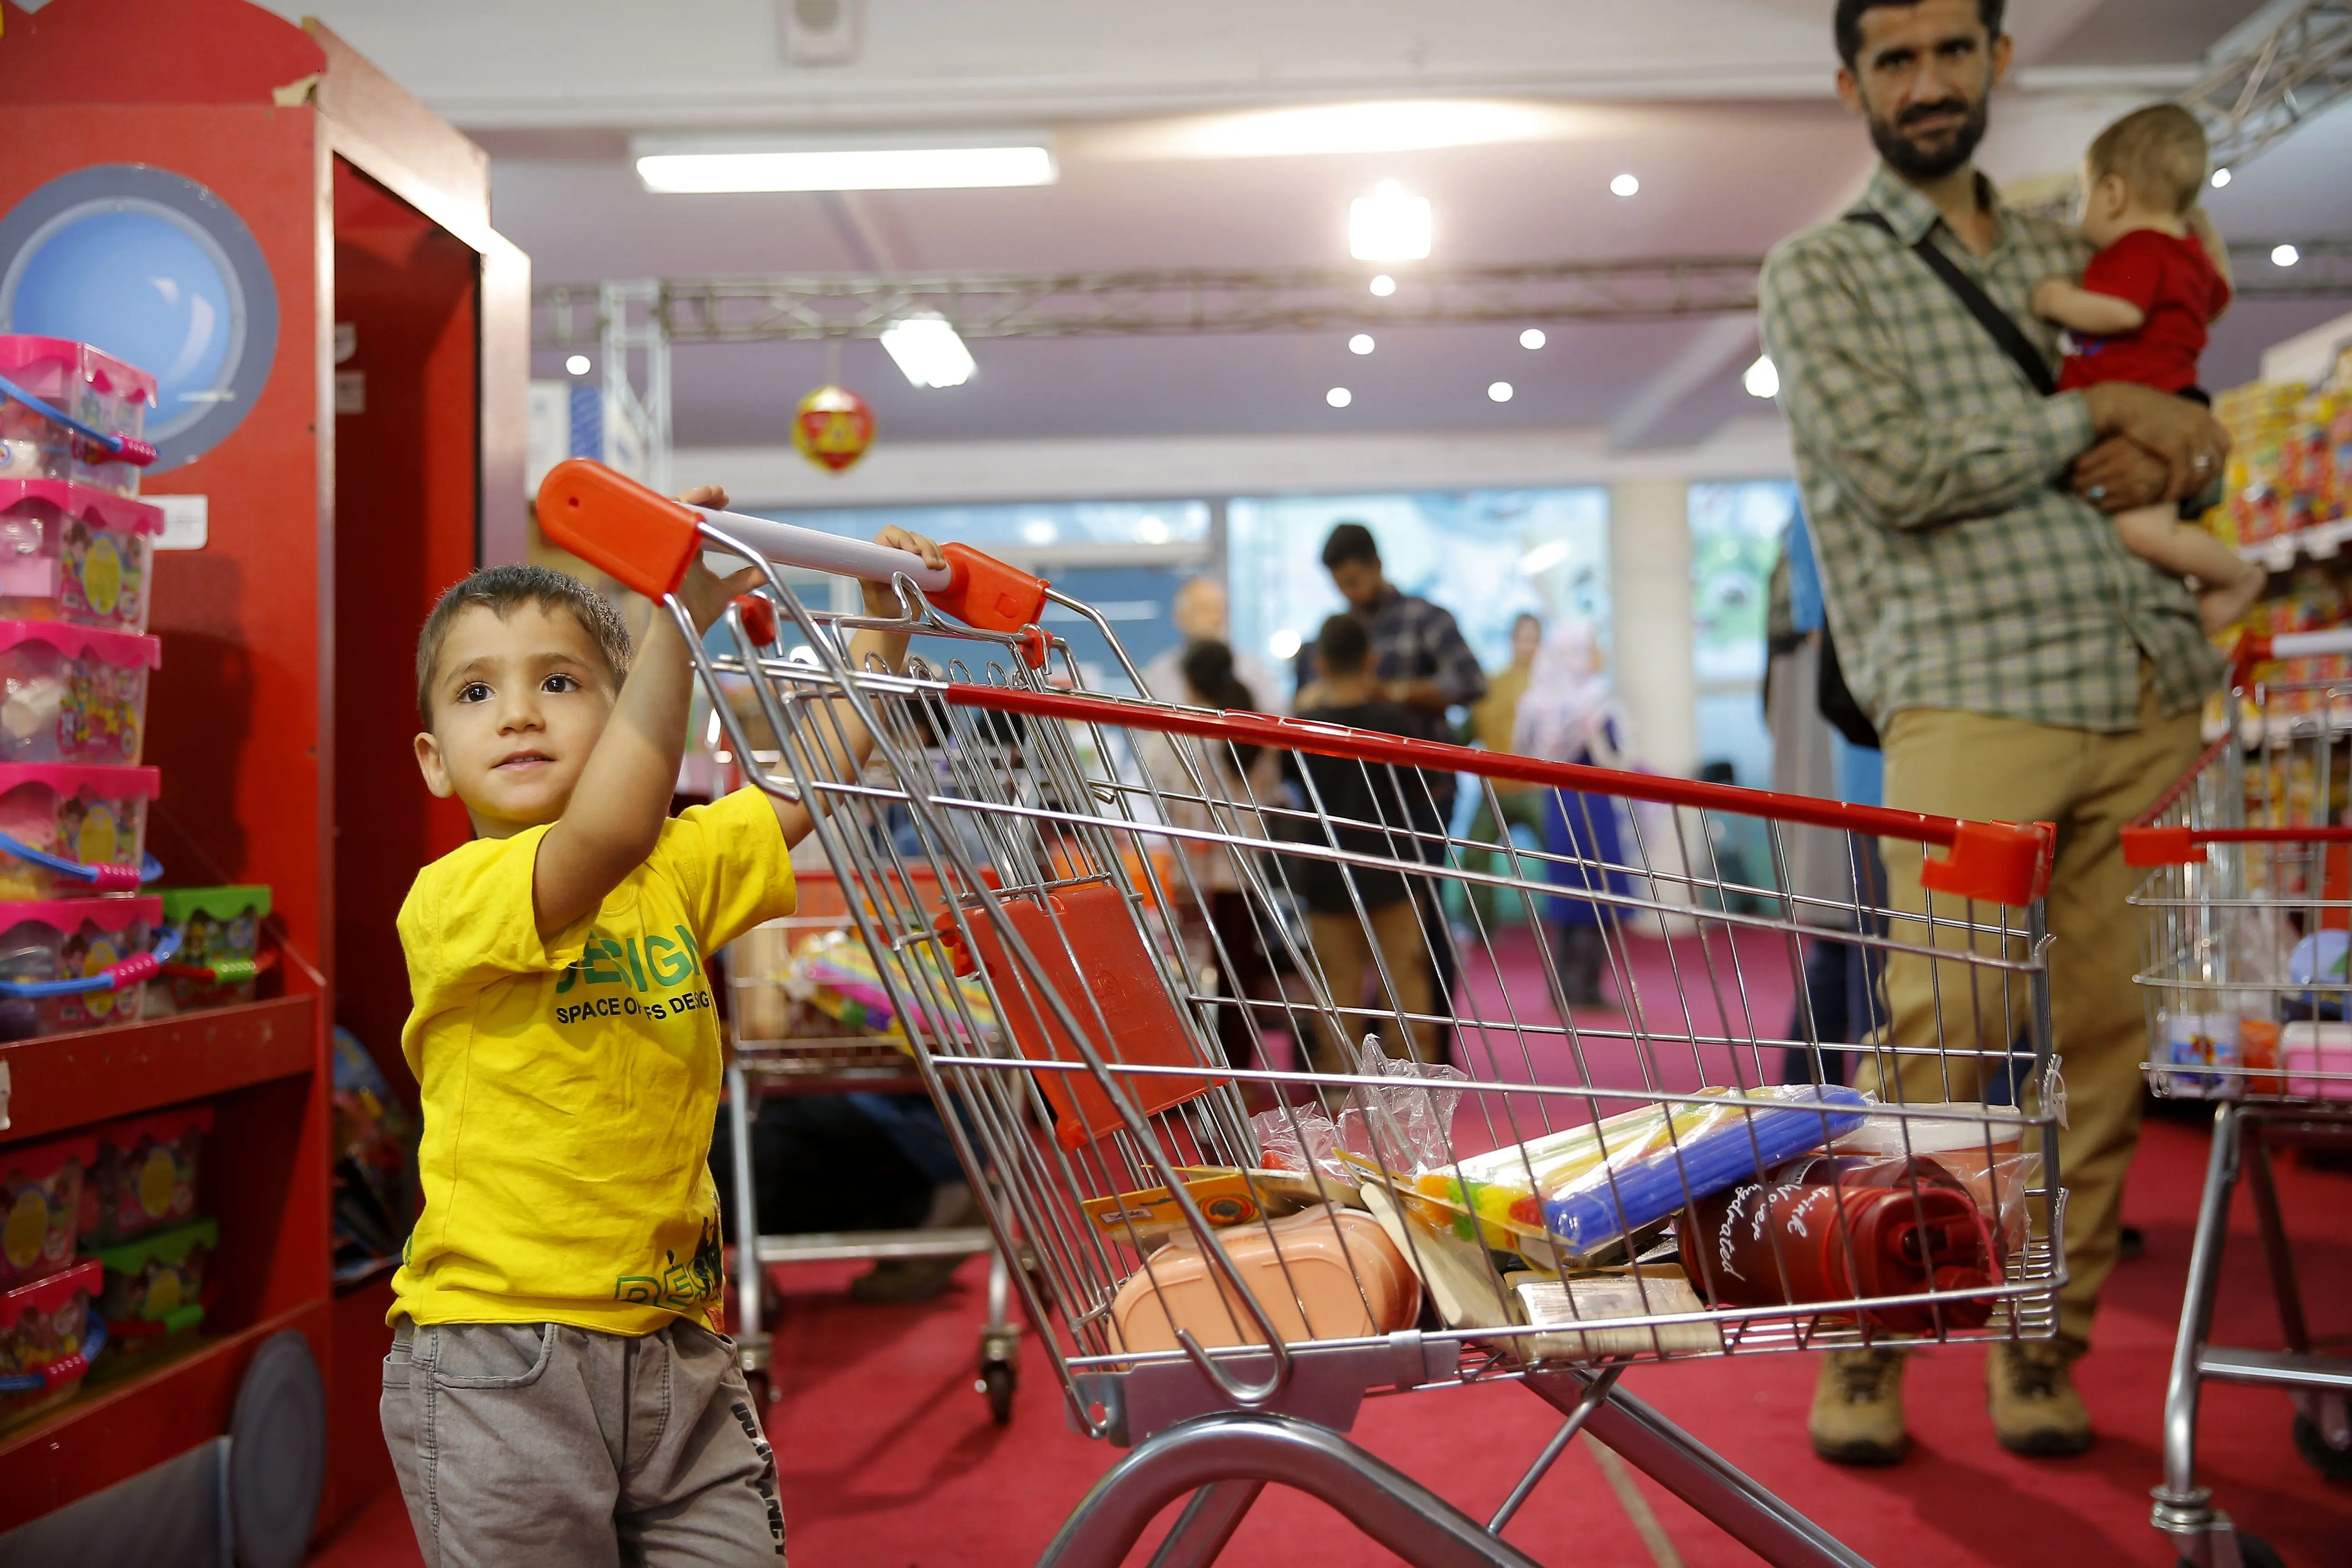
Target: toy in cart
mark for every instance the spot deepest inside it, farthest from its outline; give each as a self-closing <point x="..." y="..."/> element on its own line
<point x="1219" y="1289"/>
<point x="2246" y="900"/>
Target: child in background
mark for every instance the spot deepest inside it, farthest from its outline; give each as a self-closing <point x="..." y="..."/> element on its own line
<point x="2139" y="314"/>
<point x="559" y="1390"/>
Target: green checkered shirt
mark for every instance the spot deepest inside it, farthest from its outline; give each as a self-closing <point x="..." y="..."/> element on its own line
<point x="1957" y="571"/>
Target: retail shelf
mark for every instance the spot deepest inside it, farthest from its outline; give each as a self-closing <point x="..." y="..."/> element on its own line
<point x="2321" y="541"/>
<point x="57" y="1082"/>
<point x="112" y="1432"/>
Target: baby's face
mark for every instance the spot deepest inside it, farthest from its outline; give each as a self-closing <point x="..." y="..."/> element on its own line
<point x="518" y="704"/>
<point x="2106" y="204"/>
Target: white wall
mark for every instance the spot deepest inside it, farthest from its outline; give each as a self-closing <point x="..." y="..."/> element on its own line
<point x="1649" y="594"/>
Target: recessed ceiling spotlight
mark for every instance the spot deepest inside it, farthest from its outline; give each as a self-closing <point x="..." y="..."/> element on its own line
<point x="1532" y="338"/>
<point x="2221" y="178"/>
<point x="1624" y="186"/>
<point x="927" y="351"/>
<point x="577" y="364"/>
<point x="1383" y="285"/>
<point x="1762" y="379"/>
<point x="1283" y="644"/>
<point x="2286" y="256"/>
<point x="1339" y="397"/>
<point x="1499" y="390"/>
<point x="1361" y="343"/>
<point x="1388" y="224"/>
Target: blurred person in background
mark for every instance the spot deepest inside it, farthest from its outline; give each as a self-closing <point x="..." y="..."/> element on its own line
<point x="1570" y="715"/>
<point x="1493" y="721"/>
<point x="1199" y="612"/>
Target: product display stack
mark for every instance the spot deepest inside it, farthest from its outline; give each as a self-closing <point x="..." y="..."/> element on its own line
<point x="102" y="1249"/>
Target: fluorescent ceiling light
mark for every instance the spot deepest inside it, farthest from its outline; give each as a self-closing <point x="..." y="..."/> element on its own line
<point x="1762" y="379"/>
<point x="1388" y="224"/>
<point x="1339" y="129"/>
<point x="927" y="349"/>
<point x="935" y="161"/>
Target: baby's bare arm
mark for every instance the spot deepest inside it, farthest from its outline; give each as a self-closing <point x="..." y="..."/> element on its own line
<point x="2070" y="305"/>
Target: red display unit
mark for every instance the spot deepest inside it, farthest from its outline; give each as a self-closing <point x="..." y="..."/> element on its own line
<point x="351" y="465"/>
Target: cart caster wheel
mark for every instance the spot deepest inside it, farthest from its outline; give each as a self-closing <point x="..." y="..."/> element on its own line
<point x="2253" y="1552"/>
<point x="2334" y="1463"/>
<point x="997" y="1381"/>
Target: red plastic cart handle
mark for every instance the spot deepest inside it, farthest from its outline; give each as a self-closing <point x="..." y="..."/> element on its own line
<point x="647" y="540"/>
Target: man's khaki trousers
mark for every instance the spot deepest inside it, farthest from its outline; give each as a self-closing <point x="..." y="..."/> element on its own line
<point x="1971" y="765"/>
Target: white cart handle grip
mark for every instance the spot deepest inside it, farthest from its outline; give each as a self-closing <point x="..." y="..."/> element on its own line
<point x="647" y="541"/>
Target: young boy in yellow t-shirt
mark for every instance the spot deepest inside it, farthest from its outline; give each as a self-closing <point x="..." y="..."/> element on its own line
<point x="558" y="1389"/>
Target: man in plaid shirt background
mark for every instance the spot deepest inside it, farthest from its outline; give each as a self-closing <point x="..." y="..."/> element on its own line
<point x="2021" y="665"/>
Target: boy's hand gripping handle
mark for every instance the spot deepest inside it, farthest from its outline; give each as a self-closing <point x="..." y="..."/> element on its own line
<point x="647" y="540"/>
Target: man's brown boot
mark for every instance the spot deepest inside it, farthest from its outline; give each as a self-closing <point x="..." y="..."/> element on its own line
<point x="2035" y="1410"/>
<point x="1858" y="1407"/>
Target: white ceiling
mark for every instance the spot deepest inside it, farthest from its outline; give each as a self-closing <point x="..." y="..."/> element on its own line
<point x="1721" y="107"/>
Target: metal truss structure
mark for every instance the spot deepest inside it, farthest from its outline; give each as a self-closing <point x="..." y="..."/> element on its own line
<point x="2256" y="95"/>
<point x="1163" y="303"/>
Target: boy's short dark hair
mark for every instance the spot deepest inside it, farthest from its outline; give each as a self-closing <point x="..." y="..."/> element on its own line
<point x="1342" y="647"/>
<point x="1848" y="23"/>
<point x="501" y="590"/>
<point x="1350" y="542"/>
<point x="2161" y="153"/>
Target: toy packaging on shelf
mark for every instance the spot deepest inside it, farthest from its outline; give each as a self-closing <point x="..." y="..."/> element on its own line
<point x="145" y="1174"/>
<point x="375" y="1164"/>
<point x="88" y="815"/>
<point x="69" y="553"/>
<point x="49" y="385"/>
<point x="73" y="694"/>
<point x="154" y="1286"/>
<point x="46" y="946"/>
<point x="220" y="955"/>
<point x="41" y="1186"/>
<point x="49" y="1333"/>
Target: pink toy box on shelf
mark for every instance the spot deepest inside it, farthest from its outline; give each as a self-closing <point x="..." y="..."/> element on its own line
<point x="49" y="1333"/>
<point x="69" y="411"/>
<point x="66" y="831"/>
<point x="69" y="553"/>
<point x="75" y="963"/>
<point x="73" y="694"/>
<point x="145" y="1174"/>
<point x="40" y="1187"/>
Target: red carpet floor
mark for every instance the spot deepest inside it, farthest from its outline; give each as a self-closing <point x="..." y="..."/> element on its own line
<point x="888" y="1456"/>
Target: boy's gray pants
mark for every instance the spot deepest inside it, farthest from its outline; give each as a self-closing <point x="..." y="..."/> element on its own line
<point x="529" y="1443"/>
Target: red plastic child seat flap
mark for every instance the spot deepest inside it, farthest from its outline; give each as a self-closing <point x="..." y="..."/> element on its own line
<point x="1995" y="862"/>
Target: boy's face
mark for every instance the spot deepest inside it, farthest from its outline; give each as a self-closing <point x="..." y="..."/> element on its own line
<point x="518" y="704"/>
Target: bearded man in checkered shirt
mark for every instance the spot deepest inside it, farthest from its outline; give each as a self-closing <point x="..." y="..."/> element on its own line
<point x="2020" y="663"/>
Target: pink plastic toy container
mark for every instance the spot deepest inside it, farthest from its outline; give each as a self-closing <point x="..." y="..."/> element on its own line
<point x="73" y="694"/>
<point x="69" y="553"/>
<point x="80" y="382"/>
<point x="145" y="1174"/>
<point x="68" y="939"/>
<point x="1322" y="1273"/>
<point x="92" y="816"/>
<point x="49" y="1331"/>
<point x="2307" y="1050"/>
<point x="40" y="1206"/>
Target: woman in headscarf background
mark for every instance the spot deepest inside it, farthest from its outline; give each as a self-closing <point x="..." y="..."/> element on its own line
<point x="1570" y="715"/>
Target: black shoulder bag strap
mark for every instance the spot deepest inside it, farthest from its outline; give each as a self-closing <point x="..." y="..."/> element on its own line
<point x="1991" y="317"/>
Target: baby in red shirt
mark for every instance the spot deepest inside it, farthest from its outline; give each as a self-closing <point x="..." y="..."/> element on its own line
<point x="2140" y="314"/>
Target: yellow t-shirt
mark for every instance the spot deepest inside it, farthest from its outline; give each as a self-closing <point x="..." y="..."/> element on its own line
<point x="569" y="1086"/>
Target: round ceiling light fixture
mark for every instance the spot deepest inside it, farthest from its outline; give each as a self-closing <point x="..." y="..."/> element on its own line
<point x="1339" y="397"/>
<point x="1624" y="186"/>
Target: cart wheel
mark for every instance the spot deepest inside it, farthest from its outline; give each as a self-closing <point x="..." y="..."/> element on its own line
<point x="997" y="1380"/>
<point x="2332" y="1462"/>
<point x="2253" y="1552"/>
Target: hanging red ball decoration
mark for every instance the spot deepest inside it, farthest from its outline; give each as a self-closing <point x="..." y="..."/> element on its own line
<point x="833" y="427"/>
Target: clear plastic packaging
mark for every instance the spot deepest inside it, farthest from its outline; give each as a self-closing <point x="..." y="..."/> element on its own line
<point x="73" y="694"/>
<point x="155" y="1286"/>
<point x="72" y="939"/>
<point x="146" y="1174"/>
<point x="219" y="930"/>
<point x="90" y="816"/>
<point x="40" y="1206"/>
<point x="48" y="1333"/>
<point x="84" y="384"/>
<point x="69" y="553"/>
<point x="1567" y="1194"/>
<point x="1325" y="1273"/>
<point x="1985" y="1148"/>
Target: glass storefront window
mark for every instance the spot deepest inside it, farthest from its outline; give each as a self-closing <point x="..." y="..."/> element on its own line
<point x="1736" y="532"/>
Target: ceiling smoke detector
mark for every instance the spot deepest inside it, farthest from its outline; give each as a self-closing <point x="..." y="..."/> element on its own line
<point x="819" y="32"/>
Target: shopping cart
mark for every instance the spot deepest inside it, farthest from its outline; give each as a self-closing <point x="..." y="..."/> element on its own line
<point x="786" y="1044"/>
<point x="2248" y="896"/>
<point x="1252" y="1206"/>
